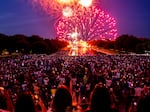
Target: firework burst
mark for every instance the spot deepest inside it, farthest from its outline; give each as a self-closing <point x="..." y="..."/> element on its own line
<point x="79" y="21"/>
<point x="57" y="7"/>
<point x="90" y="23"/>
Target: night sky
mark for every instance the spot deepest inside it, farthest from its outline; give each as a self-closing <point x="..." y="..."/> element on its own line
<point x="19" y="17"/>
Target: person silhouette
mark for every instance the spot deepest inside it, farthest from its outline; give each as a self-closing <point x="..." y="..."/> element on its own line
<point x="25" y="103"/>
<point x="62" y="101"/>
<point x="100" y="100"/>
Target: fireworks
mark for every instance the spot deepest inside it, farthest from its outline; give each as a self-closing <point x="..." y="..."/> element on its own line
<point x="67" y="12"/>
<point x="57" y="7"/>
<point x="90" y="23"/>
<point x="79" y="21"/>
<point x="66" y="2"/>
<point x="85" y="3"/>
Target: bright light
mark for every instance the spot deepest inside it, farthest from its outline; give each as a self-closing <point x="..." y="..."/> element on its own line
<point x="74" y="34"/>
<point x="86" y="3"/>
<point x="65" y="1"/>
<point x="83" y="44"/>
<point x="78" y="47"/>
<point x="67" y="12"/>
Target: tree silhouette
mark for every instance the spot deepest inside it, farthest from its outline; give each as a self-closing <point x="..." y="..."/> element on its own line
<point x="126" y="42"/>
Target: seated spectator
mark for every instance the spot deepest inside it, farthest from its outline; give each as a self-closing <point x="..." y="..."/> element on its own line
<point x="100" y="100"/>
<point x="25" y="103"/>
<point x="62" y="101"/>
<point x="144" y="104"/>
<point x="3" y="103"/>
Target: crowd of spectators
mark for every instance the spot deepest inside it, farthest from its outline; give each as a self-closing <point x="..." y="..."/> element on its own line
<point x="101" y="83"/>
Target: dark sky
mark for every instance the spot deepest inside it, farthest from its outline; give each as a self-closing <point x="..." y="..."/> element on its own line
<point x="19" y="17"/>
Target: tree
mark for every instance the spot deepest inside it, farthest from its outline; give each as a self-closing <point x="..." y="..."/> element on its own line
<point x="23" y="46"/>
<point x="39" y="47"/>
<point x="2" y="41"/>
<point x="34" y="38"/>
<point x="126" y="42"/>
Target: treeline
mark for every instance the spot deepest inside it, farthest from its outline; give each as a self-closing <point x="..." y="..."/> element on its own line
<point x="38" y="45"/>
<point x="33" y="44"/>
<point x="127" y="43"/>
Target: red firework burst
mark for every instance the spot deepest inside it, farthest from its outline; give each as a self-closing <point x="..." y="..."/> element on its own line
<point x="90" y="23"/>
